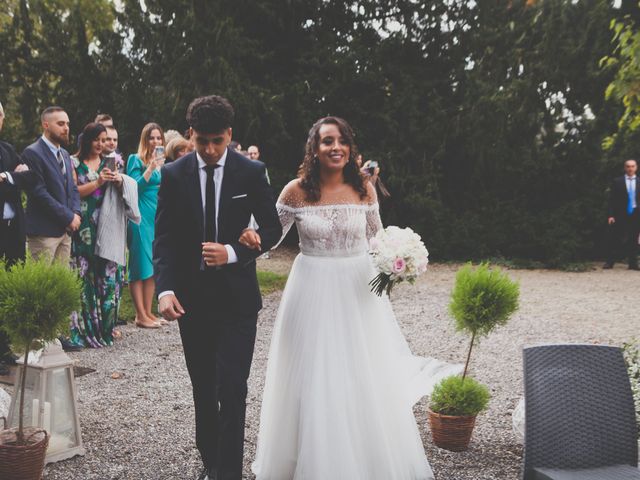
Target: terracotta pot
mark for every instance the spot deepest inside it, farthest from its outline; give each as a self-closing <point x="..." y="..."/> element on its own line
<point x="451" y="432"/>
<point x="23" y="462"/>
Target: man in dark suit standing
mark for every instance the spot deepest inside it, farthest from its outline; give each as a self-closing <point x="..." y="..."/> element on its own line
<point x="14" y="176"/>
<point x="53" y="206"/>
<point x="624" y="216"/>
<point x="207" y="279"/>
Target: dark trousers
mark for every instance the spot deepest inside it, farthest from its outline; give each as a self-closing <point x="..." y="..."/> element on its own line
<point x="12" y="248"/>
<point x="218" y="346"/>
<point x="623" y="238"/>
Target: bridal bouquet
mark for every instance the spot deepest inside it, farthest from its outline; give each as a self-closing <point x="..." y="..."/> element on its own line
<point x="398" y="255"/>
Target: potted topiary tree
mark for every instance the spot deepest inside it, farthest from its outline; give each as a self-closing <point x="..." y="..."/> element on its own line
<point x="36" y="299"/>
<point x="482" y="299"/>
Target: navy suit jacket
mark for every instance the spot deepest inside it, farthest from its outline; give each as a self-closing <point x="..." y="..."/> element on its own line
<point x="619" y="197"/>
<point x="179" y="229"/>
<point x="9" y="192"/>
<point x="54" y="199"/>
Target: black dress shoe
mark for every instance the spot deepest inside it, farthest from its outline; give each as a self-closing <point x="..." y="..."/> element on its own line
<point x="607" y="266"/>
<point x="69" y="346"/>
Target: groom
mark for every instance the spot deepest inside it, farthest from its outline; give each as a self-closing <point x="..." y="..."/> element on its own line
<point x="207" y="279"/>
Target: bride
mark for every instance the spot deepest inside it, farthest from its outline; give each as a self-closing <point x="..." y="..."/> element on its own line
<point x="340" y="380"/>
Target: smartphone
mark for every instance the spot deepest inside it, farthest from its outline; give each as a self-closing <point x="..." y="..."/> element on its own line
<point x="159" y="151"/>
<point x="110" y="162"/>
<point x="372" y="167"/>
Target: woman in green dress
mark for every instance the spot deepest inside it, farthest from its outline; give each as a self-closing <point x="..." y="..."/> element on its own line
<point x="144" y="168"/>
<point x="93" y="326"/>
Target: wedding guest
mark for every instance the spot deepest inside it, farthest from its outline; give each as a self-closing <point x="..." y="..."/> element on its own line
<point x="105" y="119"/>
<point x="624" y="217"/>
<point x="254" y="154"/>
<point x="144" y="167"/>
<point x="53" y="206"/>
<point x="53" y="203"/>
<point x="176" y="148"/>
<point x="14" y="177"/>
<point x="170" y="135"/>
<point x="110" y="148"/>
<point x="93" y="325"/>
<point x="111" y="141"/>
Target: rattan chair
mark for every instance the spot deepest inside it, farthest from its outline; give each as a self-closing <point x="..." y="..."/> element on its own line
<point x="579" y="415"/>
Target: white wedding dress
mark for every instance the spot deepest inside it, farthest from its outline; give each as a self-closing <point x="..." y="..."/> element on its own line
<point x="341" y="380"/>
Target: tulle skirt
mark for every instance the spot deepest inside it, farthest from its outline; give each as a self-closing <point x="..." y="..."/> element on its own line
<point x="341" y="381"/>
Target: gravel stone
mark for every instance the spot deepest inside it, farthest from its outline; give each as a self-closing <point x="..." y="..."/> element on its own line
<point x="140" y="426"/>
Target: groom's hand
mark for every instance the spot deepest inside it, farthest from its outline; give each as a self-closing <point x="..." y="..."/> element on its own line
<point x="214" y="254"/>
<point x="170" y="307"/>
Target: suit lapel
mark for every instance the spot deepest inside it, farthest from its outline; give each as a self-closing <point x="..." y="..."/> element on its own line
<point x="194" y="191"/>
<point x="228" y="183"/>
<point x="51" y="158"/>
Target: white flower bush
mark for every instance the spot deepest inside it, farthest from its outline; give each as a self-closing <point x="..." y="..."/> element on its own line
<point x="632" y="359"/>
<point x="398" y="255"/>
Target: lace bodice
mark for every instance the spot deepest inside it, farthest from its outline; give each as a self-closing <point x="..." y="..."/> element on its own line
<point x="331" y="230"/>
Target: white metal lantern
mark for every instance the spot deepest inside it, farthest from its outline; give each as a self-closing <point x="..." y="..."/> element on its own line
<point x="50" y="401"/>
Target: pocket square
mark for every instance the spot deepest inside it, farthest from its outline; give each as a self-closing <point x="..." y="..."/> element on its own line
<point x="242" y="195"/>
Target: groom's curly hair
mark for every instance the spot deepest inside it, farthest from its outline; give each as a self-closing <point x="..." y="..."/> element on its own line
<point x="210" y="114"/>
<point x="309" y="171"/>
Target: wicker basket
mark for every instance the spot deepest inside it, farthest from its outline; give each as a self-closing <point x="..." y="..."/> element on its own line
<point x="451" y="432"/>
<point x="23" y="462"/>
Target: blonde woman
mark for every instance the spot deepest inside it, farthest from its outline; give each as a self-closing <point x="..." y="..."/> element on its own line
<point x="144" y="167"/>
<point x="177" y="147"/>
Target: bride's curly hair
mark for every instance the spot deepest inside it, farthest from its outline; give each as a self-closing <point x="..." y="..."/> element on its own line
<point x="309" y="171"/>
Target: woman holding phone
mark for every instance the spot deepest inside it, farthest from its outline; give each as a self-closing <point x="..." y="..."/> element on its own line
<point x="93" y="326"/>
<point x="144" y="168"/>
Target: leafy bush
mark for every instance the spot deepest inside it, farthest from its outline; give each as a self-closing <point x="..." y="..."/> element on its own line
<point x="36" y="299"/>
<point x="481" y="300"/>
<point x="455" y="395"/>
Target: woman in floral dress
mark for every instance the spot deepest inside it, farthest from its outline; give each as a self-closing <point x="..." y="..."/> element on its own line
<point x="93" y="326"/>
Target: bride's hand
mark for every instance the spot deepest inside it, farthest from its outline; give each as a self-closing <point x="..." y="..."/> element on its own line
<point x="250" y="239"/>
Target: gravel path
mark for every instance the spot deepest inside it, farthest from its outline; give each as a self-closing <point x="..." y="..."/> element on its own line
<point x="140" y="426"/>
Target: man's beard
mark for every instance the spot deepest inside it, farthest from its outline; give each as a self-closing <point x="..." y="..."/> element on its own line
<point x="64" y="141"/>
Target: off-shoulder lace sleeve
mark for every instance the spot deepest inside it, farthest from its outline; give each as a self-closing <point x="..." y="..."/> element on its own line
<point x="287" y="217"/>
<point x="286" y="209"/>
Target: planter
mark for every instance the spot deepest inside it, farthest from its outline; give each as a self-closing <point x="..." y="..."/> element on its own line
<point x="451" y="432"/>
<point x="23" y="462"/>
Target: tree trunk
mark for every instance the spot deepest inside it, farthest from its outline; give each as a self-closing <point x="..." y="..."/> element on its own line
<point x="22" y="389"/>
<point x="466" y="365"/>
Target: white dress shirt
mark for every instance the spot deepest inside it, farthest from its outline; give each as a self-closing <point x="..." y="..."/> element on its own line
<point x="631" y="188"/>
<point x="218" y="175"/>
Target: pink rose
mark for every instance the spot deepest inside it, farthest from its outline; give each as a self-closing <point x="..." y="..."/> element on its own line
<point x="399" y="265"/>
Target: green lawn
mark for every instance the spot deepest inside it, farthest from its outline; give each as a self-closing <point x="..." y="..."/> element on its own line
<point x="269" y="282"/>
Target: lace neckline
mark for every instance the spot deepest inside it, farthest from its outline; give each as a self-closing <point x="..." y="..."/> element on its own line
<point x="329" y="206"/>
